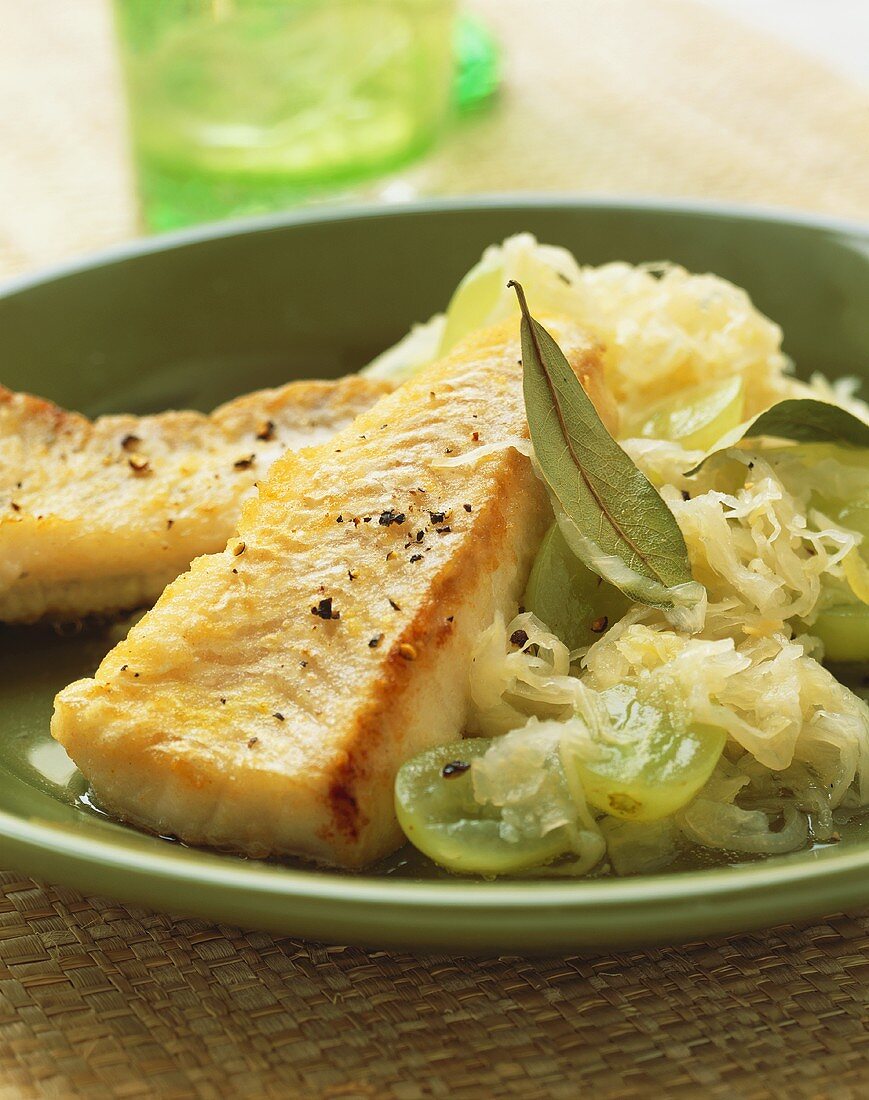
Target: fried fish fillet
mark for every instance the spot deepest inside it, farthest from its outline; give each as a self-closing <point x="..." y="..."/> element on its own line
<point x="266" y="702"/>
<point x="99" y="516"/>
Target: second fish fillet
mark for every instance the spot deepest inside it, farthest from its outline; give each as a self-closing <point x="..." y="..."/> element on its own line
<point x="97" y="516"/>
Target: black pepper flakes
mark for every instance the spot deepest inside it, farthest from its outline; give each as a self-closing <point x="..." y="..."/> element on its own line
<point x="266" y="430"/>
<point x="420" y="535"/>
<point x="467" y="508"/>
<point x="15" y="507"/>
<point x="323" y="609"/>
<point x="598" y="626"/>
<point x="278" y="715"/>
<point x="519" y="637"/>
<point x="352" y="575"/>
<point x="244" y="463"/>
<point x="223" y="699"/>
<point x="252" y="741"/>
<point x="686" y="495"/>
<point x="454" y="768"/>
<point x="438" y="517"/>
<point x="339" y="519"/>
<point x="130" y="442"/>
<point x="389" y="517"/>
<point x="374" y="642"/>
<point x="443" y="530"/>
<point x="393" y="604"/>
<point x="416" y="557"/>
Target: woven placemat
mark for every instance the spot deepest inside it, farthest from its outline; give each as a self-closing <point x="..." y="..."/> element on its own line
<point x="98" y="999"/>
<point x="649" y="97"/>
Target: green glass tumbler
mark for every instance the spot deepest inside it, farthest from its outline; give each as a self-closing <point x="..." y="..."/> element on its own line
<point x="244" y="106"/>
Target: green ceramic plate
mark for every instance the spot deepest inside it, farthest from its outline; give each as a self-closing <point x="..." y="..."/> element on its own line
<point x="194" y="319"/>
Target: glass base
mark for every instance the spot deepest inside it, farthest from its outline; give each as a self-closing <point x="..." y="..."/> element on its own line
<point x="478" y="64"/>
<point x="175" y="196"/>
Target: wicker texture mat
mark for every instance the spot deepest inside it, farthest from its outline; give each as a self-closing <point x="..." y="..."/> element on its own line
<point x="99" y="998"/>
<point x="96" y="999"/>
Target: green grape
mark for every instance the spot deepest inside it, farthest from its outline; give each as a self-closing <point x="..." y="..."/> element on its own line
<point x="575" y="603"/>
<point x="838" y="477"/>
<point x="483" y="298"/>
<point x="839" y="480"/>
<point x="695" y="418"/>
<point x="652" y="765"/>
<point x="844" y="630"/>
<point x="473" y="301"/>
<point x="436" y="808"/>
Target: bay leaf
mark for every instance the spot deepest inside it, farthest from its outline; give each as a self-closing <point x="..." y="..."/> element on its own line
<point x="803" y="420"/>
<point x="610" y="514"/>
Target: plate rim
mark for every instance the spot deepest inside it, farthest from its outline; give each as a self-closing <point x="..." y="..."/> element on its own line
<point x="318" y="884"/>
<point x="508" y="200"/>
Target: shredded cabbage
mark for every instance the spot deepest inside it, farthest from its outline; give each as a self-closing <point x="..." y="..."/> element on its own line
<point x="768" y="533"/>
<point x="798" y="740"/>
<point x="662" y="328"/>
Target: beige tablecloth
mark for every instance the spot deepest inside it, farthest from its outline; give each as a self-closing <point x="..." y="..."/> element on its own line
<point x="657" y="97"/>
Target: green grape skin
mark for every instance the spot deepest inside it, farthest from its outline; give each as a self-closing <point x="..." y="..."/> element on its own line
<point x="838" y="479"/>
<point x="844" y="630"/>
<point x="440" y="816"/>
<point x="652" y="765"/>
<point x="695" y="419"/>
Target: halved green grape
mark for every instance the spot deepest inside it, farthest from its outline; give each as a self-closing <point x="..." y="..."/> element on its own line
<point x="473" y="301"/>
<point x="696" y="418"/>
<point x="482" y="298"/>
<point x="575" y="603"/>
<point x="436" y="808"/>
<point x="844" y="630"/>
<point x="838" y="477"/>
<point x="839" y="480"/>
<point x="653" y="764"/>
<point x="639" y="848"/>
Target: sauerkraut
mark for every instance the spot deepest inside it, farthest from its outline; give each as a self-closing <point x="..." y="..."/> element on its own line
<point x="775" y="534"/>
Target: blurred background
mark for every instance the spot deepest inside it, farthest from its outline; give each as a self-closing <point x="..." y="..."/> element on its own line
<point x="143" y="115"/>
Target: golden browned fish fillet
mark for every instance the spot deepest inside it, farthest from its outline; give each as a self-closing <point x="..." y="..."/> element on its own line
<point x="99" y="516"/>
<point x="266" y="702"/>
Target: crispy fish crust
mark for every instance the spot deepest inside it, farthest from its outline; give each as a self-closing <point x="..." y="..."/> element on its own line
<point x="266" y="702"/>
<point x="98" y="516"/>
